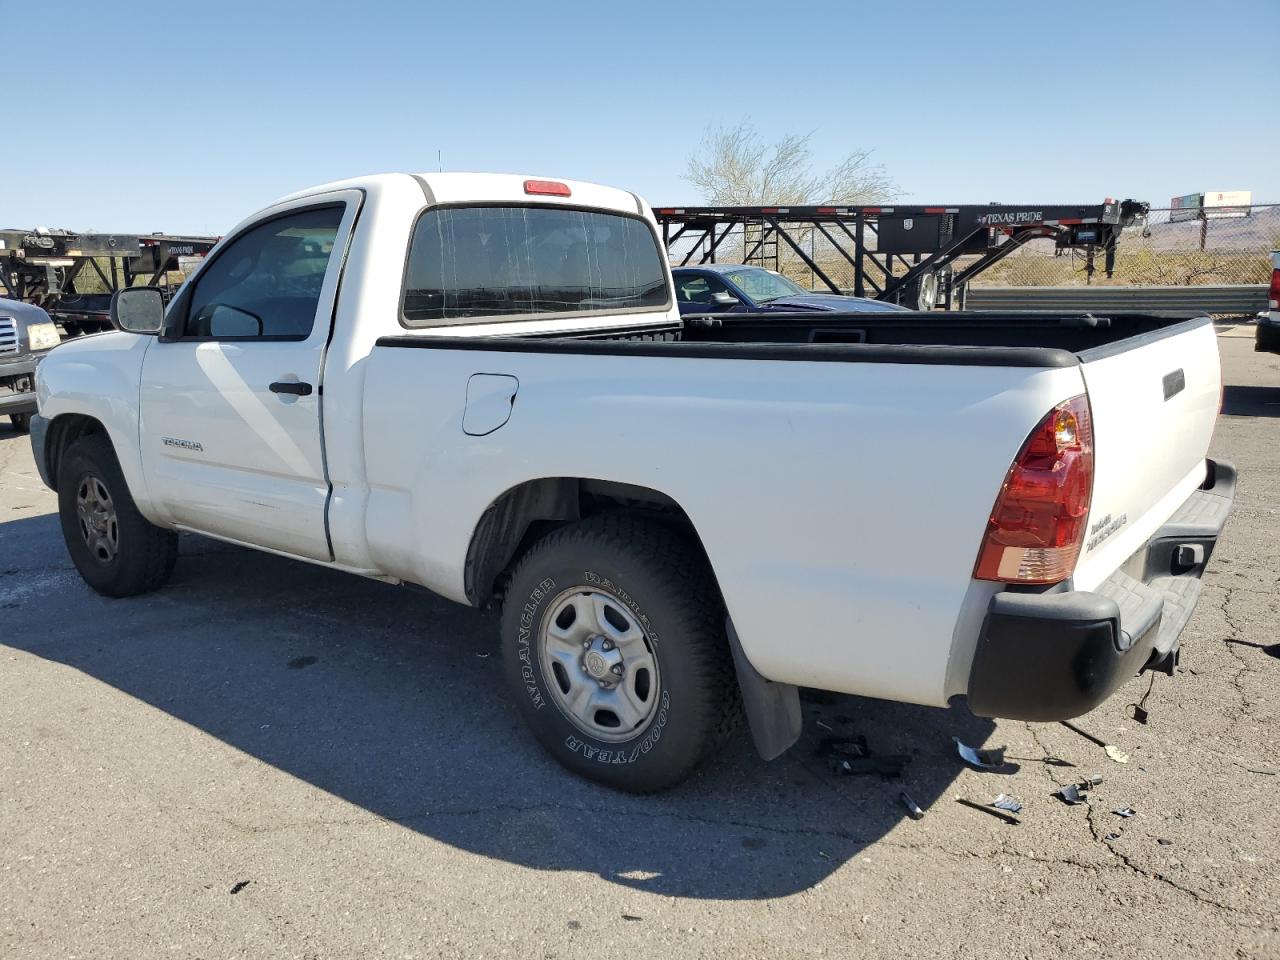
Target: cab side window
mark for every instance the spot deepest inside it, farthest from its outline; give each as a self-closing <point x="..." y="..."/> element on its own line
<point x="266" y="283"/>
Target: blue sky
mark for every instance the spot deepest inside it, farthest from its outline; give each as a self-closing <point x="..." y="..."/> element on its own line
<point x="220" y="107"/>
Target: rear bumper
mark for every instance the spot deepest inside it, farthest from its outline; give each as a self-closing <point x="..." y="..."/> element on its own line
<point x="1055" y="655"/>
<point x="1267" y="337"/>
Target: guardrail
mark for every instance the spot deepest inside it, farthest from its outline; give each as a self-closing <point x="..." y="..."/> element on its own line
<point x="1234" y="299"/>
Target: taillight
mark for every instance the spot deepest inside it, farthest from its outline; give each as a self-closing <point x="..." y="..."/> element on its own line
<point x="547" y="188"/>
<point x="1038" y="522"/>
<point x="1274" y="293"/>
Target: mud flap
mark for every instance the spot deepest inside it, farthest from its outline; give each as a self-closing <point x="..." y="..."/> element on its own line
<point x="773" y="709"/>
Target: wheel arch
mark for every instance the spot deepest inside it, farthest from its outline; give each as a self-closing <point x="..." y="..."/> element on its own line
<point x="527" y="511"/>
<point x="64" y="430"/>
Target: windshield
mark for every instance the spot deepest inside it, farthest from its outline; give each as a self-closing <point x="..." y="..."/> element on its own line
<point x="764" y="285"/>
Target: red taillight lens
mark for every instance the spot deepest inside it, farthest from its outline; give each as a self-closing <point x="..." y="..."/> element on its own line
<point x="1274" y="293"/>
<point x="1038" y="522"/>
<point x="547" y="188"/>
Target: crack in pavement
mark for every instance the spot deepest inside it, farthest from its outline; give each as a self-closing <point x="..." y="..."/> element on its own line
<point x="1237" y="678"/>
<point x="1126" y="862"/>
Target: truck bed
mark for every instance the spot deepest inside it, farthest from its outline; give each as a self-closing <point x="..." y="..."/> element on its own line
<point x="868" y="462"/>
<point x="1021" y="339"/>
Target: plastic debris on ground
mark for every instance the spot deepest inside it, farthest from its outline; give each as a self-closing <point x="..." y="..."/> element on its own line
<point x="989" y="810"/>
<point x="1111" y="836"/>
<point x="992" y="759"/>
<point x="912" y="807"/>
<point x="851" y="755"/>
<point x="1006" y="802"/>
<point x="1116" y="754"/>
<point x="1125" y="812"/>
<point x="1074" y="793"/>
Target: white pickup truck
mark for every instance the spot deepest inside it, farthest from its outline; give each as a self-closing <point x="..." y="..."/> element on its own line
<point x="481" y="384"/>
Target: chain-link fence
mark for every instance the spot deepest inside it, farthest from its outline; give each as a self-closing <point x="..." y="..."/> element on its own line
<point x="1154" y="252"/>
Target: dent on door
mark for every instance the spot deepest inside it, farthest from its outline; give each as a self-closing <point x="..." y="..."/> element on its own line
<point x="490" y="399"/>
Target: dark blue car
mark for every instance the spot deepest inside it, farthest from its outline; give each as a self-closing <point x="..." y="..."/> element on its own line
<point x="735" y="287"/>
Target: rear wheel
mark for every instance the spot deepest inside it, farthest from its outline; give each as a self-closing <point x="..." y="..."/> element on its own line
<point x="922" y="293"/>
<point x="116" y="549"/>
<point x="614" y="643"/>
<point x="21" y="422"/>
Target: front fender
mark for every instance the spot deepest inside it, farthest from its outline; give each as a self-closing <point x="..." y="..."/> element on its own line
<point x="97" y="377"/>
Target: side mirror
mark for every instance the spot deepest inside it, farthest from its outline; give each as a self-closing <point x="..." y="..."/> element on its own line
<point x="138" y="310"/>
<point x="723" y="298"/>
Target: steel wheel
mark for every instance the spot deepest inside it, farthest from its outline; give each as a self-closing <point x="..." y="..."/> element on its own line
<point x="604" y="676"/>
<point x="96" y="513"/>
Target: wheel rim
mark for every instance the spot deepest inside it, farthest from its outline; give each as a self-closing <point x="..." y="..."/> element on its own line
<point x="928" y="291"/>
<point x="599" y="664"/>
<point x="96" y="514"/>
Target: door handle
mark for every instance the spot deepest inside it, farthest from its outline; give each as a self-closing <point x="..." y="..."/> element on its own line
<point x="291" y="386"/>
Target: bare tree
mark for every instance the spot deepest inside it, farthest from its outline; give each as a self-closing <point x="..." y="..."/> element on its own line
<point x="734" y="166"/>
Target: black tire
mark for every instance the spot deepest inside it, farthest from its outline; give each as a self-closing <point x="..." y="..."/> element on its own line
<point x="922" y="293"/>
<point x="143" y="554"/>
<point x="21" y="422"/>
<point x="665" y="584"/>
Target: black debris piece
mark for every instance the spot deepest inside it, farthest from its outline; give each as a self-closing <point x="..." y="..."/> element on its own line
<point x="240" y="886"/>
<point x="1074" y="793"/>
<point x="631" y="916"/>
<point x="844" y="746"/>
<point x="1084" y="733"/>
<point x="1111" y="836"/>
<point x="851" y="755"/>
<point x="1270" y="649"/>
<point x="912" y="807"/>
<point x="992" y="811"/>
<point x="1164" y="843"/>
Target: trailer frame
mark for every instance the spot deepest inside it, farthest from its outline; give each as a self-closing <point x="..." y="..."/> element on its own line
<point x="881" y="235"/>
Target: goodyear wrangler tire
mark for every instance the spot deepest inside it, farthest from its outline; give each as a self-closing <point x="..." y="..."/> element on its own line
<point x="614" y="644"/>
<point x="115" y="548"/>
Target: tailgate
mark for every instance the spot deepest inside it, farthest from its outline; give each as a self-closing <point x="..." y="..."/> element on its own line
<point x="1154" y="399"/>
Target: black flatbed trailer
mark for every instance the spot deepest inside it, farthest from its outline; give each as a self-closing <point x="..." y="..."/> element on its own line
<point x="912" y="248"/>
<point x="49" y="269"/>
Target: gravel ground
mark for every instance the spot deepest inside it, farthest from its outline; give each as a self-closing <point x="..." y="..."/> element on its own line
<point x="269" y="759"/>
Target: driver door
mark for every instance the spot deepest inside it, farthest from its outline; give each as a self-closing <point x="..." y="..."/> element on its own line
<point x="230" y="396"/>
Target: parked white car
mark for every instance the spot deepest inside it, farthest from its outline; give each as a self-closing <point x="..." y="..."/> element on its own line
<point x="481" y="384"/>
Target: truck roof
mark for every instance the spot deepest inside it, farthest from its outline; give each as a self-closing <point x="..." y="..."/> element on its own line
<point x="461" y="187"/>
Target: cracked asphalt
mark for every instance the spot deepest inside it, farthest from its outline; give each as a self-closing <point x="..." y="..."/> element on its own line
<point x="267" y="759"/>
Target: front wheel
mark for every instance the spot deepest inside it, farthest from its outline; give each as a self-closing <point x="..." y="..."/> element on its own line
<point x="116" y="549"/>
<point x="614" y="643"/>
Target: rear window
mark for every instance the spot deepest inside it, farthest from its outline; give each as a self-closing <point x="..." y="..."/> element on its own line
<point x="469" y="262"/>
